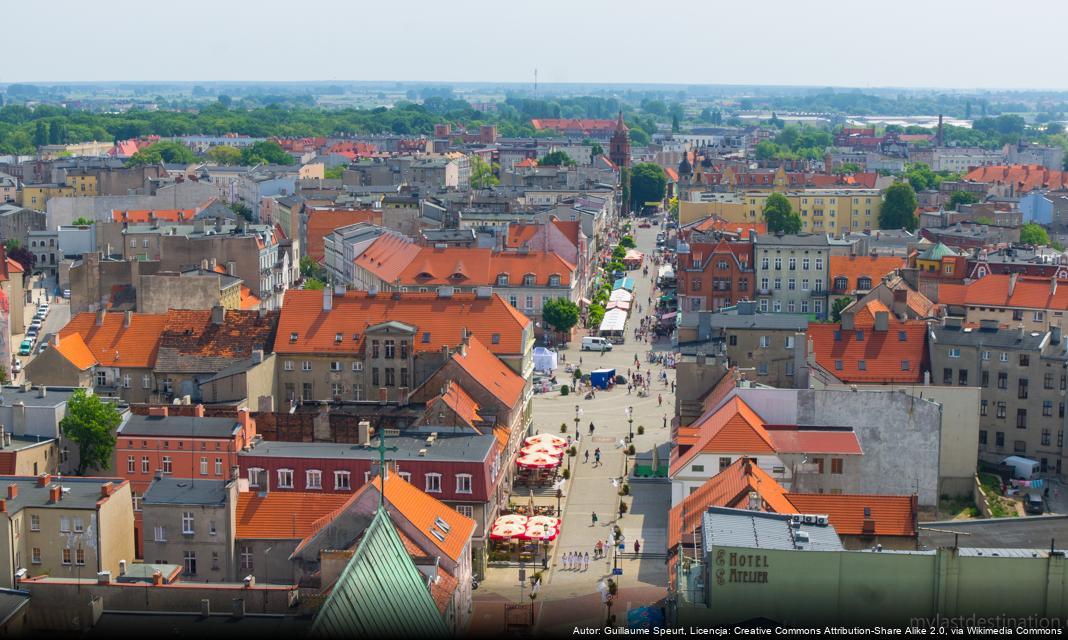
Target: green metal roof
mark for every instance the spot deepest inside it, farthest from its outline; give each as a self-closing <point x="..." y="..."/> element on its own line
<point x="937" y="252"/>
<point x="380" y="593"/>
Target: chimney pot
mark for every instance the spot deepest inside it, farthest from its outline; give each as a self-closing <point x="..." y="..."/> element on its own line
<point x="55" y="494"/>
<point x="12" y="491"/>
<point x="43" y="480"/>
<point x="106" y="489"/>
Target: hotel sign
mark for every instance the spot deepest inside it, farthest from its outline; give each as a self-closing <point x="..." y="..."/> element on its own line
<point x="740" y="568"/>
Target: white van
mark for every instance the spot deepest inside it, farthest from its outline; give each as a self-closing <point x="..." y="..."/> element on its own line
<point x="595" y="343"/>
<point x="1023" y="468"/>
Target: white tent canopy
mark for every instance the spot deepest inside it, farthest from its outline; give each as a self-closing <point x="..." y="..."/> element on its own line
<point x="544" y="359"/>
<point x="614" y="320"/>
<point x="621" y="295"/>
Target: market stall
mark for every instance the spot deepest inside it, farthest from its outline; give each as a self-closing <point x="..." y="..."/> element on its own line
<point x="633" y="259"/>
<point x="602" y="378"/>
<point x="544" y="359"/>
<point x="613" y="325"/>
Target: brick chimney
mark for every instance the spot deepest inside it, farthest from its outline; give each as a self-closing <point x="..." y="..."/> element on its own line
<point x="248" y="425"/>
<point x="127" y="318"/>
<point x="44" y="480"/>
<point x="3" y="505"/>
<point x="157" y="578"/>
<point x="12" y="491"/>
<point x="55" y="494"/>
<point x="159" y="412"/>
<point x="106" y="490"/>
<point x="198" y="411"/>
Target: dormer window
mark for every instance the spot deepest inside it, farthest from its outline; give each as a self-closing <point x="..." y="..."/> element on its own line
<point x="528" y="280"/>
<point x="338" y="338"/>
<point x="502" y="280"/>
<point x="554" y="280"/>
<point x="840" y="283"/>
<point x="293" y="337"/>
<point x="864" y="283"/>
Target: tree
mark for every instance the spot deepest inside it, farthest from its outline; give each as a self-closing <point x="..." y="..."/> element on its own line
<point x="847" y="168"/>
<point x="40" y="135"/>
<point x="225" y="155"/>
<point x="627" y="242"/>
<point x="309" y="268"/>
<point x="20" y="254"/>
<point x="780" y="216"/>
<point x="674" y="123"/>
<point x="647" y="184"/>
<point x="91" y="423"/>
<point x="555" y="159"/>
<point x="162" y="153"/>
<point x="334" y="173"/>
<point x="314" y="284"/>
<point x="839" y="305"/>
<point x="268" y="152"/>
<point x="560" y="313"/>
<point x="596" y="150"/>
<point x="595" y="315"/>
<point x="82" y="221"/>
<point x="962" y="197"/>
<point x="1034" y="234"/>
<point x="899" y="208"/>
<point x="618" y="252"/>
<point x="482" y="174"/>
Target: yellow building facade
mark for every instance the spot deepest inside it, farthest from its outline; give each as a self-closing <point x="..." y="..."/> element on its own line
<point x="821" y="210"/>
<point x="34" y="196"/>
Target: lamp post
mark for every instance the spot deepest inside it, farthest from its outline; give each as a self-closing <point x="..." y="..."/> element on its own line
<point x="559" y="494"/>
<point x="630" y="423"/>
<point x="578" y="417"/>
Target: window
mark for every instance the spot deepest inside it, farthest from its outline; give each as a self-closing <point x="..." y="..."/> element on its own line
<point x="764" y="341"/>
<point x="336" y="389"/>
<point x="203" y="466"/>
<point x="530" y="303"/>
<point x="837" y="365"/>
<point x="465" y="510"/>
<point x="1021" y="418"/>
<point x="764" y="263"/>
<point x="35" y="523"/>
<point x="375" y="349"/>
<point x="1003" y="380"/>
<point x="66" y="556"/>
<point x="791" y="284"/>
<point x="79" y="525"/>
<point x="502" y="280"/>
<point x="246" y="558"/>
<point x="762" y="368"/>
<point x="804" y="284"/>
<point x="982" y="437"/>
<point x="463" y="483"/>
<point x="374" y="376"/>
<point x="1047" y="408"/>
<point x="145" y="465"/>
<point x="904" y="365"/>
<point x="1021" y="389"/>
<point x="792" y="262"/>
<point x="804" y="264"/>
<point x="862" y="365"/>
<point x="982" y="407"/>
<point x="819" y="465"/>
<point x="1001" y="406"/>
<point x="357" y="366"/>
<point x="778" y="264"/>
<point x="342" y="481"/>
<point x="254" y="477"/>
<point x="131" y="464"/>
<point x="954" y="352"/>
<point x="35" y="555"/>
<point x="404" y="377"/>
<point x="285" y="478"/>
<point x="1019" y="446"/>
<point x="79" y="556"/>
<point x="407" y="477"/>
<point x="187" y="523"/>
<point x="404" y="349"/>
<point x="146" y="382"/>
<point x="1038" y="316"/>
<point x="864" y="283"/>
<point x="335" y="365"/>
<point x="1025" y="360"/>
<point x="860" y="335"/>
<point x="189" y="563"/>
<point x="724" y="462"/>
<point x="160" y="534"/>
<point x="962" y="377"/>
<point x="391" y="349"/>
<point x="218" y="466"/>
<point x="999" y="439"/>
<point x="306" y="365"/>
<point x="986" y="355"/>
<point x="166" y="464"/>
<point x="836" y="466"/>
<point x="778" y="284"/>
<point x="984" y="379"/>
<point x="1004" y="357"/>
<point x="390" y="379"/>
<point x="1045" y="437"/>
<point x="433" y="483"/>
<point x="313" y="479"/>
<point x="697" y="468"/>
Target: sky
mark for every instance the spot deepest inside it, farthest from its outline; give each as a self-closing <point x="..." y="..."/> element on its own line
<point x="858" y="43"/>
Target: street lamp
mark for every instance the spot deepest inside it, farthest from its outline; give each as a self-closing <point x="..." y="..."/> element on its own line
<point x="630" y="423"/>
<point x="559" y="494"/>
<point x="578" y="417"/>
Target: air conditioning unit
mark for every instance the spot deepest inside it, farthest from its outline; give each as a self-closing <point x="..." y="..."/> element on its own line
<point x="810" y="519"/>
<point x="796" y="518"/>
<point x="823" y="521"/>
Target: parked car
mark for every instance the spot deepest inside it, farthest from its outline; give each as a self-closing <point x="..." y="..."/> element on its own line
<point x="41" y="349"/>
<point x="16" y="366"/>
<point x="25" y="347"/>
<point x="1033" y="504"/>
<point x="36" y="324"/>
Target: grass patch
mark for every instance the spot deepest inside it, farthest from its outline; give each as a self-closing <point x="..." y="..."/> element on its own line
<point x="957" y="508"/>
<point x="991" y="483"/>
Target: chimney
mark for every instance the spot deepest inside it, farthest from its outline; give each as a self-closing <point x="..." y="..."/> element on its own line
<point x="882" y="320"/>
<point x="44" y="480"/>
<point x="218" y="314"/>
<point x="1053" y="286"/>
<point x="42" y="391"/>
<point x="106" y="490"/>
<point x="847" y="321"/>
<point x="100" y="315"/>
<point x="1012" y="282"/>
<point x="122" y="567"/>
<point x="158" y="412"/>
<point x="3" y="505"/>
<point x="157" y="578"/>
<point x="126" y="318"/>
<point x="245" y="420"/>
<point x="104" y="577"/>
<point x="328" y="299"/>
<point x="12" y="491"/>
<point x="55" y="494"/>
<point x="198" y="411"/>
<point x="1020" y="332"/>
<point x="231" y="268"/>
<point x="257" y="355"/>
<point x="363" y="431"/>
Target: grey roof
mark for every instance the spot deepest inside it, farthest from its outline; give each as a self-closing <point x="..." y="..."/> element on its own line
<point x="78" y="492"/>
<point x="225" y="280"/>
<point x="448" y="447"/>
<point x="993" y="338"/>
<point x="772" y="321"/>
<point x="186" y="491"/>
<point x="54" y="396"/>
<point x="11" y="601"/>
<point x="759" y="530"/>
<point x="185" y="426"/>
<point x="1034" y="532"/>
<point x="794" y="240"/>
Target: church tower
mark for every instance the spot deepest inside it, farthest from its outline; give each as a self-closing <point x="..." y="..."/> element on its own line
<point x="619" y="147"/>
<point x="685" y="173"/>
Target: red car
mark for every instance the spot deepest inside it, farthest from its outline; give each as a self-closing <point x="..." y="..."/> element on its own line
<point x="644" y="225"/>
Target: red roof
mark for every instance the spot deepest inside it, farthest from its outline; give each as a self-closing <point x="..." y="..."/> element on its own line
<point x="439" y="321"/>
<point x="115" y="345"/>
<point x="488" y="370"/>
<point x="463" y="266"/>
<point x="586" y="125"/>
<point x="890" y="515"/>
<point x="795" y="439"/>
<point x="866" y="355"/>
<point x="285" y="515"/>
<point x="719" y="224"/>
<point x="993" y="290"/>
<point x="423" y="510"/>
<point x="322" y="222"/>
<point x="74" y="349"/>
<point x="148" y="215"/>
<point x="388" y="256"/>
<point x="1021" y="177"/>
<point x="854" y="267"/>
<point x="734" y="428"/>
<point x="457" y="399"/>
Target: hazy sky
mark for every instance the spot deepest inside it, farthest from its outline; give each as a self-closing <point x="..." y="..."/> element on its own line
<point x="925" y="43"/>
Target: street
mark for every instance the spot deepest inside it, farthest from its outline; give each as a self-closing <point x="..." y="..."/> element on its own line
<point x="572" y="592"/>
<point x="58" y="317"/>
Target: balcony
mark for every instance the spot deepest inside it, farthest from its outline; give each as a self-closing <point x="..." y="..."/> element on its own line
<point x="763" y="292"/>
<point x="818" y="294"/>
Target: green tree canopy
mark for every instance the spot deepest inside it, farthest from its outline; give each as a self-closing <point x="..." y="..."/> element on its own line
<point x="1035" y="234"/>
<point x="91" y="423"/>
<point x="596" y="150"/>
<point x="647" y="184"/>
<point x="225" y="155"/>
<point x="162" y="152"/>
<point x="847" y="168"/>
<point x="780" y="216"/>
<point x="82" y="221"/>
<point x="482" y="174"/>
<point x="268" y="152"/>
<point x="555" y="159"/>
<point x="962" y="197"/>
<point x="314" y="284"/>
<point x="334" y="173"/>
<point x="595" y="315"/>
<point x="560" y="313"/>
<point x="839" y="305"/>
<point x="309" y="268"/>
<point x="899" y="208"/>
<point x="619" y="252"/>
<point x="627" y="242"/>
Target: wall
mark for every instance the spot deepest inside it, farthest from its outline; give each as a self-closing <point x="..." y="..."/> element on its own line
<point x="158" y="293"/>
<point x="203" y="543"/>
<point x="116" y="539"/>
<point x="185" y="195"/>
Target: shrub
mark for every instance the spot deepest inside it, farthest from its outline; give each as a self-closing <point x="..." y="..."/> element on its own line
<point x="622" y="508"/>
<point x="563" y="427"/>
<point x="641" y="430"/>
<point x="630" y="450"/>
<point x="564" y="390"/>
<point x="624" y="490"/>
<point x="566" y="473"/>
<point x="572" y="451"/>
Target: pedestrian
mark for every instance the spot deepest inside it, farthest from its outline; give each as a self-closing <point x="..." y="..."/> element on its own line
<point x="591" y="428"/>
<point x="594" y="524"/>
<point x="586" y="561"/>
<point x="588" y="451"/>
<point x="637" y="547"/>
<point x="628" y="389"/>
<point x="597" y="550"/>
<point x="580" y="361"/>
<point x="564" y="559"/>
<point x="672" y="386"/>
<point x="659" y="400"/>
<point x="597" y="457"/>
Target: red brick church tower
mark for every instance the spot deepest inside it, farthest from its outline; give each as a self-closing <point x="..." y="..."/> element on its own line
<point x="619" y="148"/>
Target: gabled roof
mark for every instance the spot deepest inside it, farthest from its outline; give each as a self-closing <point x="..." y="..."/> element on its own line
<point x="424" y="512"/>
<point x="890" y="515"/>
<point x="457" y="399"/>
<point x="473" y="266"/>
<point x="380" y="593"/>
<point x="872" y="356"/>
<point x="936" y="252"/>
<point x="795" y="439"/>
<point x="388" y="256"/>
<point x="116" y="345"/>
<point x="492" y="374"/>
<point x="1021" y="177"/>
<point x="998" y="290"/>
<point x="322" y="222"/>
<point x="852" y="268"/>
<point x="440" y="321"/>
<point x="74" y="349"/>
<point x="148" y="215"/>
<point x="733" y="428"/>
<point x="284" y="515"/>
<point x="193" y="343"/>
<point x="715" y="223"/>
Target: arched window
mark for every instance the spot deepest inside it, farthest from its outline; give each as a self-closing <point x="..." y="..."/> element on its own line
<point x="502" y="280"/>
<point x="840" y="283"/>
<point x="864" y="282"/>
<point x="528" y="280"/>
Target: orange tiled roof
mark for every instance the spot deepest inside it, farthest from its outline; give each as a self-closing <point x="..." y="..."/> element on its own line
<point x="587" y="125"/>
<point x="114" y="344"/>
<point x="422" y="510"/>
<point x="570" y="228"/>
<point x="462" y="403"/>
<point x="853" y="267"/>
<point x="462" y="266"/>
<point x="892" y="515"/>
<point x="388" y="256"/>
<point x="526" y="163"/>
<point x="882" y="352"/>
<point x="993" y="290"/>
<point x="1021" y="177"/>
<point x="494" y="376"/>
<point x="285" y="515"/>
<point x="728" y="488"/>
<point x="439" y="321"/>
<point x="519" y="234"/>
<point x="248" y="299"/>
<point x="74" y="349"/>
<point x="734" y="428"/>
<point x="147" y="215"/>
<point x="322" y="222"/>
<point x="719" y="224"/>
<point x="13" y="265"/>
<point x="443" y="589"/>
